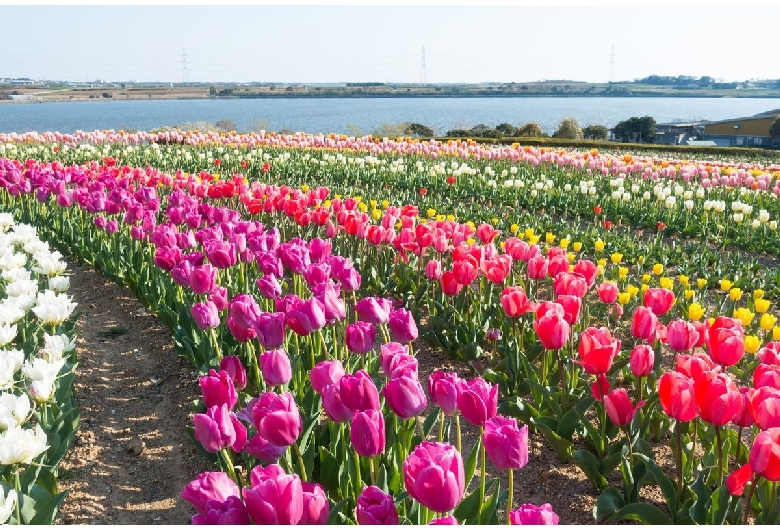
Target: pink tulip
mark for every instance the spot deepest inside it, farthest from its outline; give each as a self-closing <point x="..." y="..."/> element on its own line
<point x="325" y="373"/>
<point x="360" y="337"/>
<point x="405" y="396"/>
<point x="443" y="389"/>
<point x="506" y="444"/>
<point x="644" y="323"/>
<point x="681" y="335"/>
<point x="726" y="341"/>
<point x="277" y="418"/>
<point x="209" y="486"/>
<point x="275" y="366"/>
<point x="316" y="507"/>
<point x="402" y="325"/>
<point x="275" y="501"/>
<point x="641" y="360"/>
<point x="659" y="300"/>
<point x="232" y="365"/>
<point x="434" y="476"/>
<point x="375" y="507"/>
<point x="230" y="512"/>
<point x="529" y="514"/>
<point x="478" y="401"/>
<point x="367" y="432"/>
<point x="619" y="407"/>
<point x="218" y="388"/>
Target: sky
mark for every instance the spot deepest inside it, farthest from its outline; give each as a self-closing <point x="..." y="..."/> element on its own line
<point x="372" y="43"/>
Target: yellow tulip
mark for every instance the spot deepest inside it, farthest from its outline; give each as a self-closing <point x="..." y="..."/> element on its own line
<point x="372" y="203"/>
<point x="666" y="282"/>
<point x="752" y="343"/>
<point x="577" y="246"/>
<point x="689" y="293"/>
<point x="470" y="224"/>
<point x="735" y="293"/>
<point x="563" y="243"/>
<point x="768" y="321"/>
<point x="450" y="217"/>
<point x="571" y="256"/>
<point x="494" y="221"/>
<point x="640" y="260"/>
<point x="549" y="237"/>
<point x="376" y="214"/>
<point x="658" y="269"/>
<point x="616" y="257"/>
<point x="683" y="280"/>
<point x="514" y="228"/>
<point x="470" y="241"/>
<point x="533" y="240"/>
<point x="529" y="232"/>
<point x="338" y="196"/>
<point x="646" y="278"/>
<point x="305" y="188"/>
<point x="624" y="298"/>
<point x="622" y="272"/>
<point x="695" y="311"/>
<point x="602" y="262"/>
<point x="326" y="204"/>
<point x="431" y="212"/>
<point x="745" y="315"/>
<point x="363" y="207"/>
<point x="701" y="283"/>
<point x="762" y="305"/>
<point x="644" y="288"/>
<point x="385" y="203"/>
<point x="776" y="333"/>
<point x="725" y="284"/>
<point x="599" y="245"/>
<point x="758" y="294"/>
<point x="632" y="290"/>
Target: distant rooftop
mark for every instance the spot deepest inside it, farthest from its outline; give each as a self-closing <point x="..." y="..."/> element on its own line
<point x="761" y="115"/>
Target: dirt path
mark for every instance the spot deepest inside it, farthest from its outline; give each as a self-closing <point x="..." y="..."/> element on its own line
<point x="132" y="455"/>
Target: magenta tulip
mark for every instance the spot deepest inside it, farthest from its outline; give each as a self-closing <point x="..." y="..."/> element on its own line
<point x="367" y="432"/>
<point x="205" y="315"/>
<point x="276" y="368"/>
<point x="203" y="279"/>
<point x="374" y="310"/>
<point x="209" y="486"/>
<point x="529" y="514"/>
<point x="269" y="286"/>
<point x="232" y="365"/>
<point x="270" y="329"/>
<point x="218" y="388"/>
<point x="405" y="396"/>
<point x="443" y="389"/>
<point x="375" y="507"/>
<point x="434" y="476"/>
<point x="334" y="406"/>
<point x="506" y="444"/>
<point x="316" y="507"/>
<point x="402" y="325"/>
<point x="358" y="391"/>
<point x="478" y="401"/>
<point x="305" y="317"/>
<point x="275" y="501"/>
<point x="216" y="430"/>
<point x="360" y="337"/>
<point x="230" y="512"/>
<point x="325" y="373"/>
<point x="263" y="450"/>
<point x="277" y="418"/>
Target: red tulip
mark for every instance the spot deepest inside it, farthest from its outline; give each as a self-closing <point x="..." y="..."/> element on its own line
<point x="465" y="270"/>
<point x="514" y="301"/>
<point x="681" y="335"/>
<point x="597" y="350"/>
<point x="644" y="323"/>
<point x="659" y="300"/>
<point x="764" y="456"/>
<point x="676" y="393"/>
<point x="717" y="398"/>
<point x="497" y="269"/>
<point x="588" y="270"/>
<point x="552" y="328"/>
<point x="765" y="405"/>
<point x="766" y="375"/>
<point x="449" y="285"/>
<point x="537" y="268"/>
<point x="726" y="341"/>
<point x="619" y="408"/>
<point x="693" y="365"/>
<point x="769" y="354"/>
<point x="641" y="360"/>
<point x="571" y="307"/>
<point x="608" y="292"/>
<point x="486" y="233"/>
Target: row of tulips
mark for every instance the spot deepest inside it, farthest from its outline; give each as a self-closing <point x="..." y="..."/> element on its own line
<point x="38" y="413"/>
<point x="567" y="373"/>
<point x="726" y="216"/>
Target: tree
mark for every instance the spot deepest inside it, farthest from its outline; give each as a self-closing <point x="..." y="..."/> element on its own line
<point x="226" y="125"/>
<point x="774" y="129"/>
<point x="568" y="129"/>
<point x="507" y="129"/>
<point x="531" y="129"/>
<point x="595" y="132"/>
<point x="419" y="130"/>
<point x="635" y="129"/>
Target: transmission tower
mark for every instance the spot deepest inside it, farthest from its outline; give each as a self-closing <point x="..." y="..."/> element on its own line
<point x="185" y="73"/>
<point x="423" y="71"/>
<point x="611" y="77"/>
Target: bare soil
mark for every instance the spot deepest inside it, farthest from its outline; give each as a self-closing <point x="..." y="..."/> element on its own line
<point x="132" y="456"/>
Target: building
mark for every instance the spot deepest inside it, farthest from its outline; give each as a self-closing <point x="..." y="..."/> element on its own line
<point x="751" y="131"/>
<point x="677" y="133"/>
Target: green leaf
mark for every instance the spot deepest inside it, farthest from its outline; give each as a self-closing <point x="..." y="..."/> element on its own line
<point x="471" y="462"/>
<point x="46" y="512"/>
<point x="609" y="502"/>
<point x="719" y="507"/>
<point x="667" y="486"/>
<point x="337" y="515"/>
<point x="430" y="421"/>
<point x="468" y="509"/>
<point x="641" y="512"/>
<point x="587" y="462"/>
<point x="329" y="472"/>
<point x="562" y="447"/>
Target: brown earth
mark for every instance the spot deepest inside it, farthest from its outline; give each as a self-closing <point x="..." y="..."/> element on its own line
<point x="132" y="455"/>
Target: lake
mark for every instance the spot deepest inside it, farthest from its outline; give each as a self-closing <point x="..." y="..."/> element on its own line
<point x="365" y="115"/>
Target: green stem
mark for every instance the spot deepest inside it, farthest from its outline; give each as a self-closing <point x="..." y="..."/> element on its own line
<point x="371" y="470"/>
<point x="679" y="457"/>
<point x="481" y="473"/>
<point x="441" y="426"/>
<point x="358" y="480"/>
<point x="510" y="498"/>
<point x="720" y="456"/>
<point x="562" y="382"/>
<point x="231" y="470"/>
<point x="739" y="444"/>
<point x="457" y="431"/>
<point x="300" y="461"/>
<point x="749" y="499"/>
<point x="18" y="487"/>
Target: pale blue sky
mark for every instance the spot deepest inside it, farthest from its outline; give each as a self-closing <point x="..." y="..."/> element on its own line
<point x="384" y="43"/>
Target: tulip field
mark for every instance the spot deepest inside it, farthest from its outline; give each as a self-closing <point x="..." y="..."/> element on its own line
<point x="612" y="302"/>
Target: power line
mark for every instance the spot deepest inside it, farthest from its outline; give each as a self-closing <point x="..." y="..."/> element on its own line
<point x="423" y="70"/>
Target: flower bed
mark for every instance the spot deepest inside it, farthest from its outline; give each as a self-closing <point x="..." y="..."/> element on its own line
<point x="300" y="308"/>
